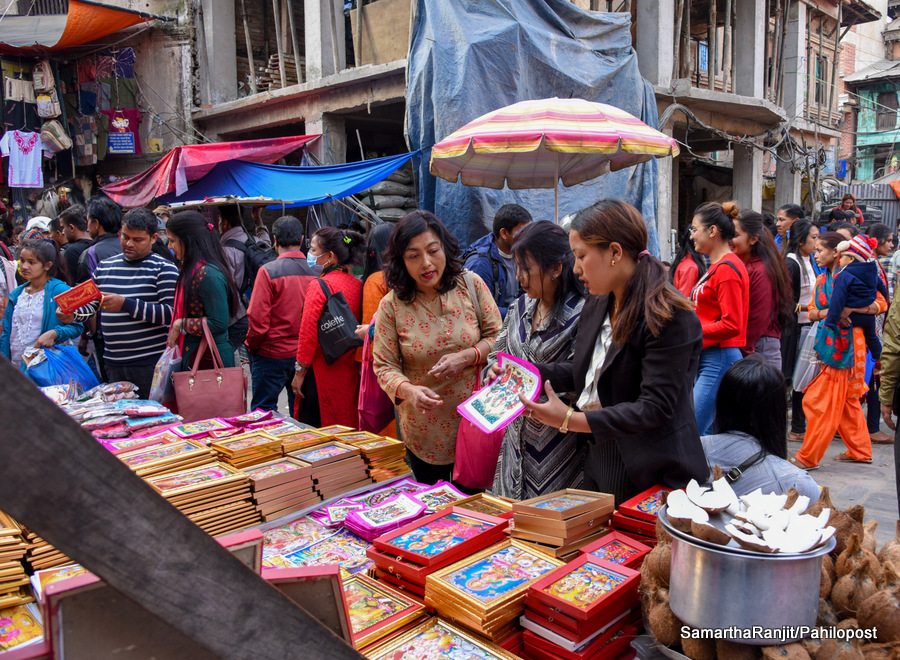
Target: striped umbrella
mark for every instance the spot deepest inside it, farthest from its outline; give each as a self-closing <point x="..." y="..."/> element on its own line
<point x="535" y="144"/>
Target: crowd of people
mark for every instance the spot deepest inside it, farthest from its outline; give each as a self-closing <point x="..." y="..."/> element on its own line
<point x="652" y="372"/>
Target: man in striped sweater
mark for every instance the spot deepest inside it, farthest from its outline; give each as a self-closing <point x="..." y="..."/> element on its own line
<point x="138" y="288"/>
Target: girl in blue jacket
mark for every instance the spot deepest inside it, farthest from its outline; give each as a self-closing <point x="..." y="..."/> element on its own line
<point x="30" y="318"/>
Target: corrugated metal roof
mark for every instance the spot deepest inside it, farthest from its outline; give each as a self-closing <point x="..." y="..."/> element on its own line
<point x="883" y="69"/>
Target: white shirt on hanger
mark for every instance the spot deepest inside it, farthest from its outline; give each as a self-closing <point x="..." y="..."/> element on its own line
<point x="24" y="151"/>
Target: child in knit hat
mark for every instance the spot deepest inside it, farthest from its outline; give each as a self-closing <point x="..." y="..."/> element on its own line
<point x="855" y="285"/>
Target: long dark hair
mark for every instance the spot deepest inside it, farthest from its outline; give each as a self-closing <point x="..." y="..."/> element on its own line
<point x="647" y="294"/>
<point x="799" y="233"/>
<point x="46" y="250"/>
<point x="765" y="248"/>
<point x="751" y="400"/>
<point x="880" y="232"/>
<point x="686" y="249"/>
<point x="376" y="243"/>
<point x="201" y="246"/>
<point x="346" y="245"/>
<point x="721" y="216"/>
<point x="547" y="246"/>
<point x="412" y="224"/>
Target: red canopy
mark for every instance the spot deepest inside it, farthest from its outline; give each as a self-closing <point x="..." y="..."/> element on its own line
<point x="188" y="163"/>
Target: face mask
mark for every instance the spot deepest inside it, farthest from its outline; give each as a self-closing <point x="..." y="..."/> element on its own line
<point x="311" y="261"/>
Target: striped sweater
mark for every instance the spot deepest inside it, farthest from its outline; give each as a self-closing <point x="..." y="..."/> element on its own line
<point x="137" y="333"/>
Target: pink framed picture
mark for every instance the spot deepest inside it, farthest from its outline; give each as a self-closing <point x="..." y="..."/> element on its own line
<point x="497" y="404"/>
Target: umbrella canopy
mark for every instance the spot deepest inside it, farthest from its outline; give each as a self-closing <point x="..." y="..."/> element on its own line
<point x="535" y="144"/>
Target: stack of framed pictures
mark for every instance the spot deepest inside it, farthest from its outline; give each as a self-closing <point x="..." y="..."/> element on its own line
<point x="40" y="554"/>
<point x="437" y="639"/>
<point x="122" y="445"/>
<point x="336" y="467"/>
<point x="376" y="610"/>
<point x="384" y="456"/>
<point x="12" y="570"/>
<point x="281" y="487"/>
<point x="484" y="503"/>
<point x="618" y="548"/>
<point x="248" y="449"/>
<point x="165" y="458"/>
<point x="372" y="522"/>
<point x="407" y="556"/>
<point x="560" y="523"/>
<point x="201" y="430"/>
<point x="248" y="420"/>
<point x="301" y="439"/>
<point x="637" y="517"/>
<point x="215" y="496"/>
<point x="22" y="632"/>
<point x="581" y="611"/>
<point x="485" y="592"/>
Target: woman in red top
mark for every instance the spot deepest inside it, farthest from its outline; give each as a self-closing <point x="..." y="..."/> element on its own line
<point x="848" y="203"/>
<point x="770" y="293"/>
<point x="689" y="265"/>
<point x="335" y="251"/>
<point x="721" y="300"/>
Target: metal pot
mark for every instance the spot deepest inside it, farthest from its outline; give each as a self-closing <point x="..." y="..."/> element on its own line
<point x="754" y="598"/>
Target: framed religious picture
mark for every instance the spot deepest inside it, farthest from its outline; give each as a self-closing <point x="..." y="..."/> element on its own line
<point x="484" y="503"/>
<point x="250" y="417"/>
<point x="336" y="513"/>
<point x="618" y="548"/>
<point x="565" y="504"/>
<point x="279" y="471"/>
<point x="494" y="406"/>
<point x="390" y="514"/>
<point x="213" y="474"/>
<point x="301" y="439"/>
<point x="342" y="548"/>
<point x="356" y="437"/>
<point x="326" y="452"/>
<point x="442" y="537"/>
<point x="437" y="639"/>
<point x="376" y="497"/>
<point x="334" y="429"/>
<point x="376" y="609"/>
<point x="438" y="496"/>
<point x="200" y="428"/>
<point x="646" y="505"/>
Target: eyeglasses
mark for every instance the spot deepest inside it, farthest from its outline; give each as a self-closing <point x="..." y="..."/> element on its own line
<point x="694" y="230"/>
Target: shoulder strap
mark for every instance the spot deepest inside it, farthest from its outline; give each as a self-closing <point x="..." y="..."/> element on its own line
<point x="325" y="288"/>
<point x="473" y="295"/>
<point x="735" y="473"/>
<point x="733" y="267"/>
<point x="236" y="244"/>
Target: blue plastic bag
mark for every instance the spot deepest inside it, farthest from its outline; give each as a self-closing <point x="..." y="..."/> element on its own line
<point x="63" y="365"/>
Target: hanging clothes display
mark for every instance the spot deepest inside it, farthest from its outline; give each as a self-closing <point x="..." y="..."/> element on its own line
<point x="85" y="131"/>
<point x="124" y="137"/>
<point x="25" y="150"/>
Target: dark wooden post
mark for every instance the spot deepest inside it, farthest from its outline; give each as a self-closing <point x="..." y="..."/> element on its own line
<point x="61" y="483"/>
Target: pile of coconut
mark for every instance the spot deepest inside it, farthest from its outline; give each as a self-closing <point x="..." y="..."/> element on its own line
<point x="859" y="589"/>
<point x="760" y="522"/>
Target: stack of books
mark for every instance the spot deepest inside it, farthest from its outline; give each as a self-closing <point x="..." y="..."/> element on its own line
<point x="165" y="458"/>
<point x="405" y="557"/>
<point x="581" y="611"/>
<point x="301" y="439"/>
<point x="637" y="517"/>
<point x="336" y="468"/>
<point x="248" y="449"/>
<point x="215" y="496"/>
<point x="281" y="487"/>
<point x="560" y="523"/>
<point x="485" y="592"/>
<point x="12" y="570"/>
<point x="384" y="456"/>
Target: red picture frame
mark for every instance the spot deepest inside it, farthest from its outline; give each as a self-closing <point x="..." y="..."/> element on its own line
<point x="646" y="505"/>
<point x="607" y="647"/>
<point x="622" y="522"/>
<point x="399" y="541"/>
<point x="613" y="546"/>
<point x="586" y="587"/>
<point x="407" y="588"/>
<point x="410" y="609"/>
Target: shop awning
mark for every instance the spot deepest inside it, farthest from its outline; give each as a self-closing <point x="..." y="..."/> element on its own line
<point x="189" y="163"/>
<point x="304" y="186"/>
<point x="85" y="22"/>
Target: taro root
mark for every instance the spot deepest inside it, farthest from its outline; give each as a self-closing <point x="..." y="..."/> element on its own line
<point x="882" y="612"/>
<point x="828" y="577"/>
<point x="846" y="523"/>
<point x="699" y="649"/>
<point x="838" y="649"/>
<point x="789" y="651"/>
<point x="855" y="555"/>
<point x="850" y="591"/>
<point x="736" y="651"/>
<point x="826" y="617"/>
<point x="868" y="541"/>
<point x="890" y="552"/>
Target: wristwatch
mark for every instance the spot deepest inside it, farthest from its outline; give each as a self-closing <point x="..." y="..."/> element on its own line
<point x="565" y="425"/>
<point x="299" y="367"/>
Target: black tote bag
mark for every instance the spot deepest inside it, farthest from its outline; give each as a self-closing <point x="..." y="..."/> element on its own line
<point x="336" y="326"/>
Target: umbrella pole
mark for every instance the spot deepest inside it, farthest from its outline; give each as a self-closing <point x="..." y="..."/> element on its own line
<point x="556" y="193"/>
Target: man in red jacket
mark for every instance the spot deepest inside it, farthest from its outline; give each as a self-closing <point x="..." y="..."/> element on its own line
<point x="274" y="316"/>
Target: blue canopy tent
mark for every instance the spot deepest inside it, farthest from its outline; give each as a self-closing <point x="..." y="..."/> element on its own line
<point x="298" y="186"/>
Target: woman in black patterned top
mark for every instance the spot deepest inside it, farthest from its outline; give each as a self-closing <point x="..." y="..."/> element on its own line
<point x="540" y="328"/>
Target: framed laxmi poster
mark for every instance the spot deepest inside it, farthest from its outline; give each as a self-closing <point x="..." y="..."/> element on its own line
<point x="494" y="406"/>
<point x="617" y="548"/>
<point x="564" y="504"/>
<point x="376" y="610"/>
<point x="436" y="639"/>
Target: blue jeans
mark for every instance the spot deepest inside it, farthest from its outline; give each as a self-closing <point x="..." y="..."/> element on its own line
<point x="270" y="376"/>
<point x="714" y="362"/>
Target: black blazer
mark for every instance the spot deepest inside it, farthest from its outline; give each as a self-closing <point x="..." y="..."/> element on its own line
<point x="646" y="387"/>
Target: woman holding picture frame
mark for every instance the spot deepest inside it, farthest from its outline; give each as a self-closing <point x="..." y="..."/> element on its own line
<point x="635" y="358"/>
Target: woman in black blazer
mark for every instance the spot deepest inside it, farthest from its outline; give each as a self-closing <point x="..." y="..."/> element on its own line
<point x="636" y="355"/>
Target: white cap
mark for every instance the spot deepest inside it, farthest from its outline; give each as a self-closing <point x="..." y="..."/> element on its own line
<point x="41" y="222"/>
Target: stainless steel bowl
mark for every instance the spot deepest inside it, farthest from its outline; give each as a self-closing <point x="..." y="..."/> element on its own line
<point x="770" y="596"/>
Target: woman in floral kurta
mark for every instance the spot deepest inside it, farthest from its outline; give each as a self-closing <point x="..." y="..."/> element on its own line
<point x="428" y="343"/>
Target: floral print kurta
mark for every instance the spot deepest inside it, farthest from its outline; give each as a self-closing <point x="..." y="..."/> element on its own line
<point x="410" y="338"/>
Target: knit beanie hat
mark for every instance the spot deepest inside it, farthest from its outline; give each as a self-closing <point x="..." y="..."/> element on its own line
<point x="861" y="247"/>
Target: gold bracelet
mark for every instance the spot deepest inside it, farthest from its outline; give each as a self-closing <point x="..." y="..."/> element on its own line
<point x="565" y="425"/>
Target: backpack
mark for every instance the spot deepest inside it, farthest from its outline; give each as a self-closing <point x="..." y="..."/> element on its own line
<point x="42" y="76"/>
<point x="55" y="137"/>
<point x="256" y="255"/>
<point x="495" y="268"/>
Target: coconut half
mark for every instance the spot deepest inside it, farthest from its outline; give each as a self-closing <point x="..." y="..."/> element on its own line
<point x="709" y="500"/>
<point x="748" y="541"/>
<point x="681" y="511"/>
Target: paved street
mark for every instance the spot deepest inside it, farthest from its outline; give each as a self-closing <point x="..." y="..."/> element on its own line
<point x="873" y="485"/>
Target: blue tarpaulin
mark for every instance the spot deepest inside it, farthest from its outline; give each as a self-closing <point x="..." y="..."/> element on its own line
<point x="298" y="186"/>
<point x="469" y="57"/>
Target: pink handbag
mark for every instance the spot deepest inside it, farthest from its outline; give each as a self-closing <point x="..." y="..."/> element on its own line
<point x="477" y="453"/>
<point x="216" y="392"/>
<point x="376" y="410"/>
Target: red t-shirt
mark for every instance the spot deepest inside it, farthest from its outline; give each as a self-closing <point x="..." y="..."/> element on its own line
<point x="686" y="275"/>
<point x="721" y="300"/>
